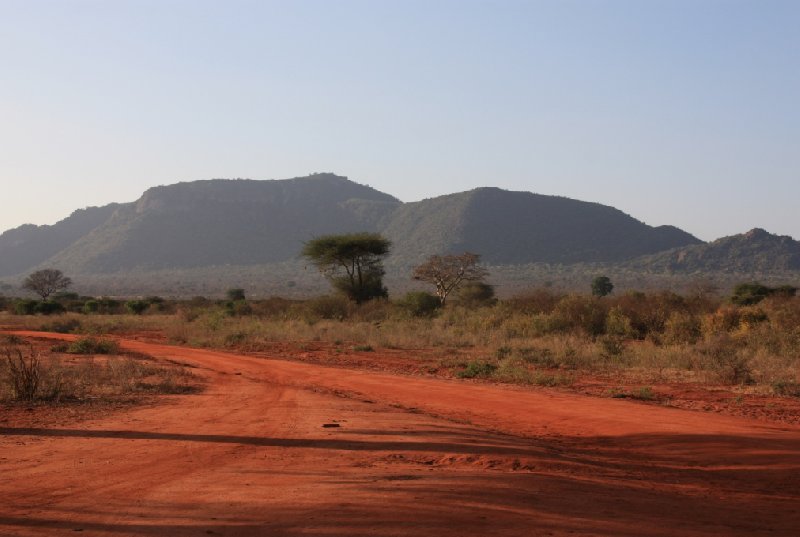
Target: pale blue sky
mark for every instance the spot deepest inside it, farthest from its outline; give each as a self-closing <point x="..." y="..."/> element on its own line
<point x="676" y="112"/>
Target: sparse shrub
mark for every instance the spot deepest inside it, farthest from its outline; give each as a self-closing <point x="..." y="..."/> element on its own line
<point x="328" y="307"/>
<point x="729" y="363"/>
<point x="551" y="380"/>
<point x="535" y="302"/>
<point x="238" y="308"/>
<point x="24" y="373"/>
<point x="513" y="370"/>
<point x="363" y="348"/>
<point x="645" y="393"/>
<point x="477" y="369"/>
<point x="67" y="326"/>
<point x="420" y="304"/>
<point x="12" y="339"/>
<point x="682" y="327"/>
<point x="786" y="387"/>
<point x="581" y="313"/>
<point x="618" y="324"/>
<point x="91" y="345"/>
<point x="612" y="346"/>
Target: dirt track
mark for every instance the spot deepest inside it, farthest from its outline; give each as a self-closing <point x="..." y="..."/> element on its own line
<point x="411" y="456"/>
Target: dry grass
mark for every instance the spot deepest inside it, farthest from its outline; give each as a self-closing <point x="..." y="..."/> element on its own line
<point x="539" y="339"/>
<point x="31" y="375"/>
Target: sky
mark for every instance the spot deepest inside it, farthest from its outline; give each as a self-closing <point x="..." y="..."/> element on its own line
<point x="675" y="112"/>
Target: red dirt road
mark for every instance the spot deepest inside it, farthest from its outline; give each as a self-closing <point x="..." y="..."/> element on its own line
<point x="411" y="456"/>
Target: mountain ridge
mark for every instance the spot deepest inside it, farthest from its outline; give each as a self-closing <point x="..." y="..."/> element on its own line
<point x="240" y="222"/>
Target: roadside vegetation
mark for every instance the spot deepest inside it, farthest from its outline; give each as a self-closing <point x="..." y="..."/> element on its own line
<point x="541" y="337"/>
<point x="86" y="370"/>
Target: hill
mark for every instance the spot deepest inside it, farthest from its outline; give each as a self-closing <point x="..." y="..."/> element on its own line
<point x="756" y="251"/>
<point x="220" y="222"/>
<point x="206" y="229"/>
<point x="26" y="246"/>
<point x="510" y="228"/>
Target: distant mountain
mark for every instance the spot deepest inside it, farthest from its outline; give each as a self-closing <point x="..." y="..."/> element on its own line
<point x="756" y="251"/>
<point x="28" y="245"/>
<point x="246" y="223"/>
<point x="219" y="222"/>
<point x="509" y="228"/>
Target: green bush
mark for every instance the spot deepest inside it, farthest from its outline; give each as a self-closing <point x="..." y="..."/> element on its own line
<point x="90" y="345"/>
<point x="49" y="307"/>
<point x="137" y="307"/>
<point x="91" y="306"/>
<point x="477" y="369"/>
<point x="420" y="304"/>
<point x="476" y="294"/>
<point x="25" y="306"/>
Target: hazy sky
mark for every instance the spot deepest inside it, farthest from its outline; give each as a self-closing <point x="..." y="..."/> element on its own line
<point x="676" y="112"/>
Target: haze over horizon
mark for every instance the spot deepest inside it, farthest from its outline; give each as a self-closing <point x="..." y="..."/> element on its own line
<point x="681" y="113"/>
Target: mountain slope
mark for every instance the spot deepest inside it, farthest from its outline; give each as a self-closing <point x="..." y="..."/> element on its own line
<point x="520" y="227"/>
<point x="754" y="251"/>
<point x="26" y="246"/>
<point x="220" y="222"/>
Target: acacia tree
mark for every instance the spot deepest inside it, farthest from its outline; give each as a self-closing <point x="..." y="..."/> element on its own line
<point x="448" y="272"/>
<point x="352" y="262"/>
<point x="45" y="282"/>
<point x="601" y="286"/>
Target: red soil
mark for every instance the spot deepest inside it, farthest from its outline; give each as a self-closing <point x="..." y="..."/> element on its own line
<point x="410" y="456"/>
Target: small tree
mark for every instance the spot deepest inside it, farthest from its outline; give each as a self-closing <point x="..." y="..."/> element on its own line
<point x="448" y="272"/>
<point x="45" y="282"/>
<point x="353" y="263"/>
<point x="235" y="294"/>
<point x="602" y="286"/>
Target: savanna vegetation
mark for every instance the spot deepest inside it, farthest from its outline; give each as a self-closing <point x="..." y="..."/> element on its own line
<point x="540" y="337"/>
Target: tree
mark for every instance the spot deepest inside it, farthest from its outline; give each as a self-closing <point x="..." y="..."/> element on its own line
<point x="448" y="272"/>
<point x="602" y="286"/>
<point x="45" y="282"/>
<point x="235" y="294"/>
<point x="353" y="263"/>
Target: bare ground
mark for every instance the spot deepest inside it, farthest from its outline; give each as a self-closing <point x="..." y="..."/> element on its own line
<point x="276" y="447"/>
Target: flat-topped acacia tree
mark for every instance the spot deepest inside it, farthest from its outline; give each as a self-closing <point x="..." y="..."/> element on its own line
<point x="352" y="262"/>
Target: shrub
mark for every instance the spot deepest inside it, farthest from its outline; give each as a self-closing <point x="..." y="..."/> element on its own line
<point x="420" y="304"/>
<point x="476" y="294"/>
<point x="67" y="326"/>
<point x="328" y="307"/>
<point x="534" y="302"/>
<point x="91" y="306"/>
<point x="726" y="360"/>
<point x="90" y="345"/>
<point x="235" y="294"/>
<point x="576" y="312"/>
<point x="24" y="374"/>
<point x="137" y="307"/>
<point x="682" y="327"/>
<point x="25" y="307"/>
<point x="746" y="294"/>
<point x="49" y="307"/>
<point x="477" y="369"/>
<point x="238" y="308"/>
